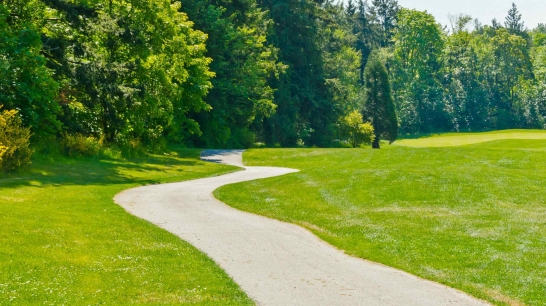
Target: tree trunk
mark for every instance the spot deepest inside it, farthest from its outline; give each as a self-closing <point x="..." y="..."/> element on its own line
<point x="375" y="144"/>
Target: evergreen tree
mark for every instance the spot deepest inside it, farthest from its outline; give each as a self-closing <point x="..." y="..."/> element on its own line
<point x="495" y="24"/>
<point x="350" y="9"/>
<point x="243" y="62"/>
<point x="513" y="22"/>
<point x="378" y="102"/>
<point x="306" y="105"/>
<point x="366" y="35"/>
<point x="386" y="12"/>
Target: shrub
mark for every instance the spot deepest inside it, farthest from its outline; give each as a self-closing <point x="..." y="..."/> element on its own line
<point x="355" y="130"/>
<point x="79" y="145"/>
<point x="241" y="138"/>
<point x="15" y="149"/>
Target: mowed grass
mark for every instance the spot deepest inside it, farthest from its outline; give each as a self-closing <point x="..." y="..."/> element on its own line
<point x="460" y="139"/>
<point x="63" y="241"/>
<point x="469" y="217"/>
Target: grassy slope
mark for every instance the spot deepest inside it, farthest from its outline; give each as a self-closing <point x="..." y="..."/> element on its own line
<point x="471" y="218"/>
<point x="64" y="241"/>
<point x="460" y="139"/>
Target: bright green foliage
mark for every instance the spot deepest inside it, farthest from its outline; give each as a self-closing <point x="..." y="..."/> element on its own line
<point x="355" y="130"/>
<point x="378" y="101"/>
<point x="15" y="149"/>
<point x="64" y="240"/>
<point x="465" y="96"/>
<point x="243" y="62"/>
<point x="468" y="217"/>
<point x="419" y="43"/>
<point x="25" y="82"/>
<point x="128" y="69"/>
<point x="508" y="63"/>
<point x="79" y="145"/>
<point x="341" y="60"/>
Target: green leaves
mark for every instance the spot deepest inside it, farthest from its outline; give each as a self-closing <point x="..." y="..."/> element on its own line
<point x="418" y="48"/>
<point x="26" y="84"/>
<point x="355" y="130"/>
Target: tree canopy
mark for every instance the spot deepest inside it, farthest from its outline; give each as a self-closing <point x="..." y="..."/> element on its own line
<point x="285" y="72"/>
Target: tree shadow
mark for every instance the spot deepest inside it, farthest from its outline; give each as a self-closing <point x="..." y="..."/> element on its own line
<point x="92" y="171"/>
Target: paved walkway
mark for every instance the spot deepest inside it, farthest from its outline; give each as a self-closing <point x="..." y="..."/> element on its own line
<point x="274" y="262"/>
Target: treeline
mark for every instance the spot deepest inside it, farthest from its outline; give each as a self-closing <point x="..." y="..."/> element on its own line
<point x="230" y="73"/>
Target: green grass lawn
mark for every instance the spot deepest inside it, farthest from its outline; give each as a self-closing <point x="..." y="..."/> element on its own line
<point x="63" y="241"/>
<point x="460" y="139"/>
<point x="471" y="217"/>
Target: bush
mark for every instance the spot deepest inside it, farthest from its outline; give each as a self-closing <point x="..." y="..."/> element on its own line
<point x="355" y="131"/>
<point x="79" y="145"/>
<point x="15" y="149"/>
<point x="241" y="138"/>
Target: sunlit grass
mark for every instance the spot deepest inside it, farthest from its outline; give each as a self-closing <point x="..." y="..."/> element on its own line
<point x="63" y="241"/>
<point x="459" y="139"/>
<point x="471" y="217"/>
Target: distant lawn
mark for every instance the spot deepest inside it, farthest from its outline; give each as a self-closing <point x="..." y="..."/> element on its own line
<point x="470" y="217"/>
<point x="63" y="241"/>
<point x="460" y="139"/>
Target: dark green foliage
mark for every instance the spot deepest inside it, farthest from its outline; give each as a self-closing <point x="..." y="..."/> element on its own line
<point x="513" y="22"/>
<point x="243" y="62"/>
<point x="314" y="42"/>
<point x="379" y="104"/>
<point x="386" y="12"/>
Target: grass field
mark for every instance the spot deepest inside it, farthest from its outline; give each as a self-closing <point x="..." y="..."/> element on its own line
<point x="461" y="139"/>
<point x="472" y="217"/>
<point x="63" y="241"/>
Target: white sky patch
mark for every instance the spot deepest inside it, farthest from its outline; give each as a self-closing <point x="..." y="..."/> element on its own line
<point x="533" y="11"/>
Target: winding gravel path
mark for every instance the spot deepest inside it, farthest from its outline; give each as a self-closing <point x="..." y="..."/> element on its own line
<point x="274" y="262"/>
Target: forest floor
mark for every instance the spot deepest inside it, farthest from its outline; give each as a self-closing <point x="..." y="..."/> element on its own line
<point x="63" y="240"/>
<point x="472" y="216"/>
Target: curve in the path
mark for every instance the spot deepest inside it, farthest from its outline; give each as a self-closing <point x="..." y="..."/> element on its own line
<point x="276" y="263"/>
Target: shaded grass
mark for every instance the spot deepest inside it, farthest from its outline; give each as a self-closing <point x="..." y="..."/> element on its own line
<point x="460" y="139"/>
<point x="64" y="241"/>
<point x="469" y="217"/>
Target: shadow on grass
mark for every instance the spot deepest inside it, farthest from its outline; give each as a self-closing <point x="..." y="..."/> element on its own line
<point x="93" y="171"/>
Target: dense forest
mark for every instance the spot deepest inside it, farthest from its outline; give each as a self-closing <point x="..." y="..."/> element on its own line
<point x="232" y="73"/>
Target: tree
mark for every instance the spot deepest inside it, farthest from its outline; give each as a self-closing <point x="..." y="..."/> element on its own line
<point x="506" y="63"/>
<point x="379" y="104"/>
<point x="26" y="84"/>
<point x="513" y="22"/>
<point x="416" y="72"/>
<point x="243" y="61"/>
<point x="386" y="11"/>
<point x="351" y="8"/>
<point x="367" y="35"/>
<point x="464" y="94"/>
<point x="309" y="38"/>
<point x="121" y="78"/>
<point x="354" y="129"/>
